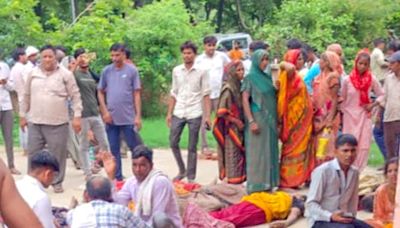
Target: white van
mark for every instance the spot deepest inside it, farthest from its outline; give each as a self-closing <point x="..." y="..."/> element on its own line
<point x="226" y="41"/>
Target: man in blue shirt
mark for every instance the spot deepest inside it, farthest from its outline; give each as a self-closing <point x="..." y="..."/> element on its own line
<point x="120" y="105"/>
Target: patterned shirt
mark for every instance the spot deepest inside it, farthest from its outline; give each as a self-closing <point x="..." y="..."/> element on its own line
<point x="99" y="213"/>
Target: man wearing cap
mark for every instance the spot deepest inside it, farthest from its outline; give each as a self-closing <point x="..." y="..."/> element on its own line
<point x="391" y="104"/>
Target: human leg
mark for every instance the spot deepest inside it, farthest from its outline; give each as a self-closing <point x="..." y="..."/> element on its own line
<point x="194" y="127"/>
<point x="113" y="135"/>
<point x="36" y="140"/>
<point x="84" y="146"/>
<point x="6" y="122"/>
<point x="176" y="129"/>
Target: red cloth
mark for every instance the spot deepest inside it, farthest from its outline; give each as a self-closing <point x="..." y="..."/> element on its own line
<point x="361" y="82"/>
<point x="241" y="215"/>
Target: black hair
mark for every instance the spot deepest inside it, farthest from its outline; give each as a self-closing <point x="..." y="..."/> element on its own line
<point x="303" y="53"/>
<point x="394" y="45"/>
<point x="378" y="41"/>
<point x="345" y="139"/>
<point x="128" y="53"/>
<point x="309" y="48"/>
<point x="394" y="160"/>
<point x="294" y="44"/>
<point x="189" y="45"/>
<point x="79" y="52"/>
<point x="364" y="55"/>
<point x="210" y="40"/>
<point x="118" y="47"/>
<point x="99" y="187"/>
<point x="44" y="159"/>
<point x="143" y="151"/>
<point x="258" y="44"/>
<point x="61" y="48"/>
<point x="48" y="47"/>
<point x="17" y="53"/>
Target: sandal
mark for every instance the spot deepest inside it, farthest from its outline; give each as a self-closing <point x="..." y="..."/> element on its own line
<point x="58" y="189"/>
<point x="15" y="171"/>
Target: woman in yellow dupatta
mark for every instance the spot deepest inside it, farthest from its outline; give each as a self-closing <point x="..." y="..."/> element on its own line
<point x="295" y="114"/>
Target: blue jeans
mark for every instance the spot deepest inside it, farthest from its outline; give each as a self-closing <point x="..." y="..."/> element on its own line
<point x="113" y="135"/>
<point x="379" y="137"/>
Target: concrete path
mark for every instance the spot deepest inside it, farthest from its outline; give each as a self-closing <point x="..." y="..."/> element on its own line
<point x="74" y="183"/>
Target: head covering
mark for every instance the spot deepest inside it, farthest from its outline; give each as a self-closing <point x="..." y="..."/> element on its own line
<point x="232" y="82"/>
<point x="259" y="78"/>
<point x="31" y="50"/>
<point x="335" y="48"/>
<point x="362" y="82"/>
<point x="334" y="62"/>
<point x="291" y="56"/>
<point x="395" y="57"/>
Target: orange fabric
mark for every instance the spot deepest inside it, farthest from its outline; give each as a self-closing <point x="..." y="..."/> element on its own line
<point x="383" y="208"/>
<point x="295" y="112"/>
<point x="236" y="54"/>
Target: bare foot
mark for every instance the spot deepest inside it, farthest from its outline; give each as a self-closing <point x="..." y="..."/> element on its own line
<point x="15" y="171"/>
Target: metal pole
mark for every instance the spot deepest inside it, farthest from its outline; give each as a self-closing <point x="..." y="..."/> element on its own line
<point x="73" y="10"/>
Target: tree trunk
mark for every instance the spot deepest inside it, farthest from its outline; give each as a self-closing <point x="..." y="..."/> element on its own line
<point x="207" y="9"/>
<point x="219" y="15"/>
<point x="138" y="4"/>
<point x="241" y="22"/>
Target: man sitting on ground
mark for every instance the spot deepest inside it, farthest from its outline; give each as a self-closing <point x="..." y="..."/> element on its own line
<point x="333" y="197"/>
<point x="99" y="211"/>
<point x="43" y="168"/>
<point x="150" y="190"/>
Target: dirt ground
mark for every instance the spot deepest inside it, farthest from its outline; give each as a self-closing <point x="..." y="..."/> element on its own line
<point x="163" y="160"/>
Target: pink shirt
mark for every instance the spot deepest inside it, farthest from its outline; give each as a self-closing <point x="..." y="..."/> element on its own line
<point x="163" y="198"/>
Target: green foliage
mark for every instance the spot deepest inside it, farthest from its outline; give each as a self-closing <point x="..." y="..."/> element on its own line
<point x="18" y="24"/>
<point x="353" y="24"/>
<point x="156" y="32"/>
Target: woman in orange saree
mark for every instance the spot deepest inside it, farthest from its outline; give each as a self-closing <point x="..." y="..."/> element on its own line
<point x="295" y="115"/>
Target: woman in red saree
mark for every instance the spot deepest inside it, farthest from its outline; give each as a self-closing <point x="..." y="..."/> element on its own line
<point x="295" y="114"/>
<point x="228" y="126"/>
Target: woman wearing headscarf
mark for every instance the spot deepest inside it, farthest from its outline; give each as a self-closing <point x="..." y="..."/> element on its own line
<point x="357" y="106"/>
<point x="229" y="125"/>
<point x="261" y="135"/>
<point x="325" y="101"/>
<point x="295" y="115"/>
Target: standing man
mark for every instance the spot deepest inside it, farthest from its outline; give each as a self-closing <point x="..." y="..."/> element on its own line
<point x="391" y="118"/>
<point x="378" y="64"/>
<point x="120" y="104"/>
<point x="213" y="62"/>
<point x="6" y="109"/>
<point x="19" y="74"/>
<point x="47" y="90"/>
<point x="91" y="120"/>
<point x="333" y="197"/>
<point x="190" y="86"/>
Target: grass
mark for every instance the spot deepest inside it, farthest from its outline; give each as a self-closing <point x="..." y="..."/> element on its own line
<point x="155" y="134"/>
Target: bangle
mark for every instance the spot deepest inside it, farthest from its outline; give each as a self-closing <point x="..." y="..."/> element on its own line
<point x="251" y="121"/>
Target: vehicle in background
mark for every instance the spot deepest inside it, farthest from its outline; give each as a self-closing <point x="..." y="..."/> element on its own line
<point x="225" y="41"/>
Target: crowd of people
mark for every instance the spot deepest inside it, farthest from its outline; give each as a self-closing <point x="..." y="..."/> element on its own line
<point x="289" y="125"/>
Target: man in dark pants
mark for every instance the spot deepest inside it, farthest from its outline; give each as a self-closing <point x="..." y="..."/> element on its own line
<point x="190" y="86"/>
<point x="120" y="104"/>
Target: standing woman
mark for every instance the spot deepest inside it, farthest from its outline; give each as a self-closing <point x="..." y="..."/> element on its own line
<point x="261" y="135"/>
<point x="295" y="115"/>
<point x="228" y="126"/>
<point x="357" y="106"/>
<point x="325" y="101"/>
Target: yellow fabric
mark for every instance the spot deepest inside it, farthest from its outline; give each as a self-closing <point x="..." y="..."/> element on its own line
<point x="275" y="205"/>
<point x="282" y="94"/>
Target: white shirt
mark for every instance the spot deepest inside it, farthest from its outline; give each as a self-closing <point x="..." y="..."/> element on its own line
<point x="377" y="63"/>
<point x="391" y="98"/>
<point x="215" y="68"/>
<point x="33" y="192"/>
<point x="5" y="99"/>
<point x="188" y="88"/>
<point x="330" y="191"/>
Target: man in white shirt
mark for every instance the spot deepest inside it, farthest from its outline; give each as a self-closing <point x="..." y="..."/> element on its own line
<point x="379" y="66"/>
<point x="6" y="110"/>
<point x="213" y="62"/>
<point x="43" y="168"/>
<point x="333" y="197"/>
<point x="190" y="88"/>
<point x="19" y="73"/>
